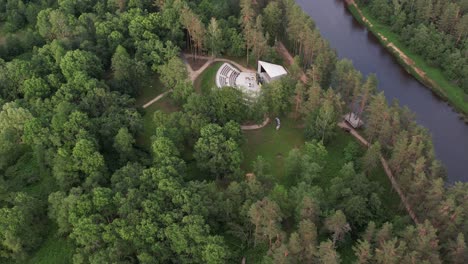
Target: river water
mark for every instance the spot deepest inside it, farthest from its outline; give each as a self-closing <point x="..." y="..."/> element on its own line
<point x="353" y="41"/>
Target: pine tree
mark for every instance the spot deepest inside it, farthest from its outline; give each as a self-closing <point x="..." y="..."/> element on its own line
<point x="363" y="251"/>
<point x="371" y="159"/>
<point x="266" y="216"/>
<point x="337" y="224"/>
<point x="214" y="37"/>
<point x="327" y="253"/>
<point x="449" y="17"/>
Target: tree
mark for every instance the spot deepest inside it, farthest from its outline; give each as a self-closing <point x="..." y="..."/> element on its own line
<point x="327" y="253"/>
<point x="337" y="224"/>
<point x="371" y="159"/>
<point x="219" y="106"/>
<point x="363" y="251"/>
<point x="368" y="89"/>
<point x="176" y="224"/>
<point x="247" y="15"/>
<point x="195" y="29"/>
<point x="448" y="19"/>
<point x="272" y="20"/>
<point x="382" y="10"/>
<point x="293" y="165"/>
<point x="165" y="153"/>
<point x="172" y="72"/>
<point x="80" y="61"/>
<point x="423" y="11"/>
<point x="20" y="227"/>
<point x="266" y="216"/>
<point x="461" y="28"/>
<point x="35" y="87"/>
<point x="55" y="24"/>
<point x="214" y="38"/>
<point x="377" y="113"/>
<point x="123" y="143"/>
<point x="347" y="81"/>
<point x="308" y="238"/>
<point x="87" y="159"/>
<point x="126" y="71"/>
<point x="321" y="124"/>
<point x="259" y="41"/>
<point x="216" y="153"/>
<point x="458" y="252"/>
<point x="173" y="75"/>
<point x="14" y="117"/>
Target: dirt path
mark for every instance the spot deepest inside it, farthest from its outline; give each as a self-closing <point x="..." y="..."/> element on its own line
<point x="387" y="169"/>
<point x="157" y="98"/>
<point x="255" y="127"/>
<point x="210" y="60"/>
<point x="288" y="58"/>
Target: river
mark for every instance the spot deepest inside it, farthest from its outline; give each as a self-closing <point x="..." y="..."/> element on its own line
<point x="353" y="41"/>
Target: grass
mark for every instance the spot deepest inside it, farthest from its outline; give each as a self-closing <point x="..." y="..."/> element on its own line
<point x="150" y="87"/>
<point x="206" y="80"/>
<point x="273" y="145"/>
<point x="435" y="79"/>
<point x="54" y="250"/>
<point x="166" y="105"/>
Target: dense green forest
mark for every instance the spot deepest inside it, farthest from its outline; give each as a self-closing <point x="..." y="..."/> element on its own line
<point x="437" y="30"/>
<point x="80" y="183"/>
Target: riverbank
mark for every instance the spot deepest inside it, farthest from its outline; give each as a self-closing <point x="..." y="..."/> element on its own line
<point x="429" y="76"/>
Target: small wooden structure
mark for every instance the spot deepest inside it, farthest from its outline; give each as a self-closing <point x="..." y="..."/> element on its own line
<point x="353" y="120"/>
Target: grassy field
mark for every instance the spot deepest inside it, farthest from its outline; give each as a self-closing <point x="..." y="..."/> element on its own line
<point x="273" y="145"/>
<point x="54" y="250"/>
<point x="442" y="86"/>
<point x="166" y="105"/>
<point x="150" y="87"/>
<point x="206" y="80"/>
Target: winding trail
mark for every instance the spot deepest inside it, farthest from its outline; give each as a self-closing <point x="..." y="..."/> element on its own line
<point x="255" y="127"/>
<point x="210" y="60"/>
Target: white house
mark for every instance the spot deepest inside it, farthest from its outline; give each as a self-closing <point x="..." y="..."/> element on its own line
<point x="269" y="72"/>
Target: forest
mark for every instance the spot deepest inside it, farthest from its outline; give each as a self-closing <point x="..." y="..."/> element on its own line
<point x="87" y="175"/>
<point x="437" y="30"/>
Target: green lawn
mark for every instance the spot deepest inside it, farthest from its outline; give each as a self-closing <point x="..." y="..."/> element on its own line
<point x="444" y="88"/>
<point x="165" y="104"/>
<point x="150" y="87"/>
<point x="206" y="80"/>
<point x="54" y="250"/>
<point x="273" y="145"/>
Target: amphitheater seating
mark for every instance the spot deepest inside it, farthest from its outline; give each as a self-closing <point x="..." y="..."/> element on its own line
<point x="227" y="75"/>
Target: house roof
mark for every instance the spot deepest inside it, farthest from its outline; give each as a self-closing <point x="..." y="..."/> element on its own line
<point x="273" y="70"/>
